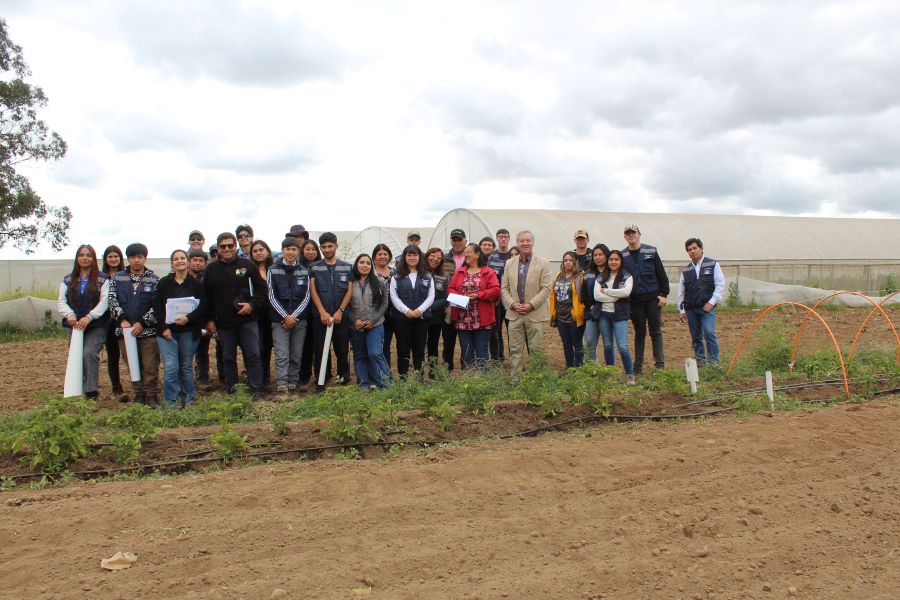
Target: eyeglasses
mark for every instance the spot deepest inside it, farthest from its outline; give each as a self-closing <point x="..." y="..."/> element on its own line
<point x="226" y="246"/>
<point x="196" y="239"/>
<point x="244" y="236"/>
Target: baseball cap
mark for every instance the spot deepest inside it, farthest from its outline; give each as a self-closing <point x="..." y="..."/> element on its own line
<point x="213" y="250"/>
<point x="196" y="233"/>
<point x="582" y="233"/>
<point x="413" y="233"/>
<point x="632" y="227"/>
<point x="458" y="233"/>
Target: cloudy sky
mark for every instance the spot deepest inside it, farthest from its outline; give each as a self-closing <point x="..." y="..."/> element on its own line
<point x="340" y="115"/>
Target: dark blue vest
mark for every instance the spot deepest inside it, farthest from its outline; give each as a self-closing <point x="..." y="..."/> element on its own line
<point x="288" y="290"/>
<point x="413" y="298"/>
<point x="135" y="304"/>
<point x="331" y="285"/>
<point x="698" y="291"/>
<point x="82" y="304"/>
<point x="587" y="296"/>
<point x="642" y="266"/>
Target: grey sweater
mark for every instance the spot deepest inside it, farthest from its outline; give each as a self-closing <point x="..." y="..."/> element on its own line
<point x="361" y="303"/>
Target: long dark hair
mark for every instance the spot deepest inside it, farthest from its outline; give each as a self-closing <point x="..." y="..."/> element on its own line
<point x="576" y="266"/>
<point x="93" y="275"/>
<point x="438" y="270"/>
<point x="378" y="288"/>
<point x="592" y="267"/>
<point x="403" y="269"/>
<point x="302" y="257"/>
<point x="620" y="274"/>
<point x="269" y="260"/>
<point x="110" y="249"/>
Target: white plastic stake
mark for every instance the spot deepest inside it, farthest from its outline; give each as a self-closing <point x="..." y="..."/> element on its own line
<point x="326" y="350"/>
<point x="74" y="384"/>
<point x="770" y="391"/>
<point x="693" y="376"/>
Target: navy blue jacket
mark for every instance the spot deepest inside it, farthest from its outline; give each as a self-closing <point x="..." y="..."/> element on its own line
<point x="134" y="304"/>
<point x="288" y="291"/>
<point x="413" y="298"/>
<point x="650" y="279"/>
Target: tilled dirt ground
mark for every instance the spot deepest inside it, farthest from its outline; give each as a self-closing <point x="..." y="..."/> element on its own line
<point x="803" y="504"/>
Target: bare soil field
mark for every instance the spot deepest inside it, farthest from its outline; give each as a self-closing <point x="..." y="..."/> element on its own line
<point x="800" y="504"/>
<point x="803" y="504"/>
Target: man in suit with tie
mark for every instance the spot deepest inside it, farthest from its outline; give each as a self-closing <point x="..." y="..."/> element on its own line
<point x="526" y="290"/>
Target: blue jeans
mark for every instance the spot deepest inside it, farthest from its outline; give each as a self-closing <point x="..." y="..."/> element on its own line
<point x="473" y="347"/>
<point x="591" y="337"/>
<point x="572" y="337"/>
<point x="247" y="337"/>
<point x="178" y="367"/>
<point x="703" y="328"/>
<point x="368" y="357"/>
<point x="288" y="352"/>
<point x="616" y="331"/>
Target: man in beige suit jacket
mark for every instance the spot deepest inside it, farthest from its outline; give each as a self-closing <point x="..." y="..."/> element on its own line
<point x="526" y="291"/>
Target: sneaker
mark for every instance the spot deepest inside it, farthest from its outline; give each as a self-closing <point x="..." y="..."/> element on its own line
<point x="92" y="395"/>
<point x="340" y="380"/>
<point x="373" y="387"/>
<point x="153" y="401"/>
<point x="258" y="396"/>
<point x="124" y="398"/>
<point x="292" y="389"/>
<point x="140" y="398"/>
<point x="629" y="379"/>
<point x="281" y="392"/>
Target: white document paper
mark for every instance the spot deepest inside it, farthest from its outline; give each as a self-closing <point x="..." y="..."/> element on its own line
<point x="180" y="307"/>
<point x="131" y="351"/>
<point x="458" y="300"/>
<point x="74" y="385"/>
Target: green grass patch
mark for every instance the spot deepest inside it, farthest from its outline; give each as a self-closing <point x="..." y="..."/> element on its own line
<point x="47" y="293"/>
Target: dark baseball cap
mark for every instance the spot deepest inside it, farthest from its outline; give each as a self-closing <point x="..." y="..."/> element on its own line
<point x="458" y="233"/>
<point x="196" y="233"/>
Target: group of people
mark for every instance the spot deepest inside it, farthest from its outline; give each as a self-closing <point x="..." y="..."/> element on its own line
<point x="302" y="302"/>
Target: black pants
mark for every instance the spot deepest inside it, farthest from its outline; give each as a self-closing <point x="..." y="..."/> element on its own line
<point x="448" y="331"/>
<point x="410" y="334"/>
<point x="112" y="359"/>
<point x="433" y="338"/>
<point x="388" y="338"/>
<point x="496" y="343"/>
<point x="265" y="348"/>
<point x="246" y="336"/>
<point x="340" y="343"/>
<point x="202" y="359"/>
<point x="644" y="313"/>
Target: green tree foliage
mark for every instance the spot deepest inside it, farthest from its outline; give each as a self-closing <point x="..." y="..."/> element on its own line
<point x="24" y="218"/>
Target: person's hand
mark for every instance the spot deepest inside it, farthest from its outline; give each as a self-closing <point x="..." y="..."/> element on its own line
<point x="472" y="295"/>
<point x="211" y="328"/>
<point x="181" y="320"/>
<point x="708" y="307"/>
<point x="325" y="318"/>
<point x="359" y="325"/>
<point x="662" y="301"/>
<point x="414" y="314"/>
<point x="125" y="324"/>
<point x="136" y="329"/>
<point x="167" y="334"/>
<point x="527" y="308"/>
<point x="71" y="320"/>
<point x="337" y="317"/>
<point x="83" y="322"/>
<point x="684" y="318"/>
<point x="245" y="309"/>
<point x="367" y="324"/>
<point x="289" y="321"/>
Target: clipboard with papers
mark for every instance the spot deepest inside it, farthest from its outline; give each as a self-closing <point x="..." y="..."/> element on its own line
<point x="180" y="307"/>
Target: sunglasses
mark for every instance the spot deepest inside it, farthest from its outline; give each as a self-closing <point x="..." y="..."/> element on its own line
<point x="244" y="235"/>
<point x="226" y="246"/>
<point x="196" y="239"/>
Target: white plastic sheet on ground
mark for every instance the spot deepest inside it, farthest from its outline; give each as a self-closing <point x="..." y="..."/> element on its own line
<point x="767" y="294"/>
<point x="29" y="313"/>
<point x="131" y="351"/>
<point x="74" y="385"/>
